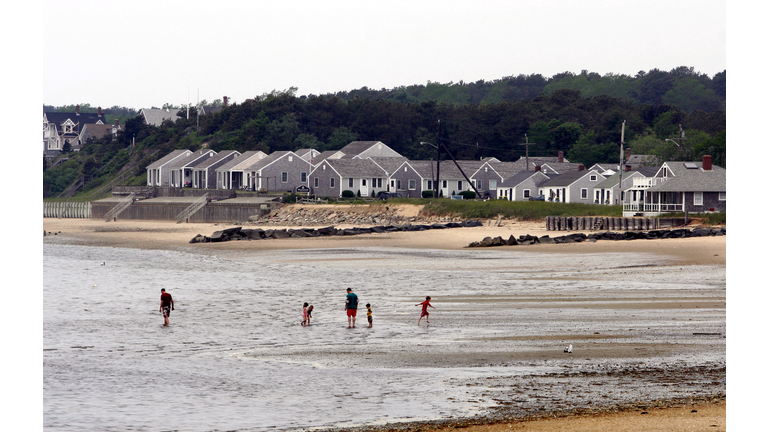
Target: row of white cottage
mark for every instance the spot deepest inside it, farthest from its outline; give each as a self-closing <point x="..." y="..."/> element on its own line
<point x="369" y="167"/>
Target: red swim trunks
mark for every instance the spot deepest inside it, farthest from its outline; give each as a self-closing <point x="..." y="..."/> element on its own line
<point x="424" y="313"/>
<point x="352" y="312"/>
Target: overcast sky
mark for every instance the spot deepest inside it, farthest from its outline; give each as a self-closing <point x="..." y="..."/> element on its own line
<point x="146" y="53"/>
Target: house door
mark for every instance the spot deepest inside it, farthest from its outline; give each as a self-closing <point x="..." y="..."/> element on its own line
<point x="363" y="187"/>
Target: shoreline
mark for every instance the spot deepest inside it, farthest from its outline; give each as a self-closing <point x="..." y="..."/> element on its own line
<point x="172" y="236"/>
<point x="640" y="415"/>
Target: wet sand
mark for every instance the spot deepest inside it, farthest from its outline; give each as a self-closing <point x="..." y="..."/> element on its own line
<point x="667" y="414"/>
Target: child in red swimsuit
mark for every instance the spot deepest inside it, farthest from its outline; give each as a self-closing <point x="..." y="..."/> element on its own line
<point x="424" y="312"/>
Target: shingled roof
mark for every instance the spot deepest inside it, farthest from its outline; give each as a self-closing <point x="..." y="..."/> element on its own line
<point x="356" y="168"/>
<point x="693" y="179"/>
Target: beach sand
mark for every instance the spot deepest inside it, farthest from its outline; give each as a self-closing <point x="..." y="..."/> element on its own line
<point x="705" y="414"/>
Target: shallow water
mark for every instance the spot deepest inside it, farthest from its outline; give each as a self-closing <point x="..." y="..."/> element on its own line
<point x="236" y="357"/>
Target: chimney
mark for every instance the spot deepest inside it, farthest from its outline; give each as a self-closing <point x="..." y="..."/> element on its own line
<point x="225" y="101"/>
<point x="559" y="156"/>
<point x="77" y="109"/>
<point x="706" y="163"/>
<point x="627" y="168"/>
<point x="99" y="111"/>
<point x="536" y="168"/>
<point x="581" y="167"/>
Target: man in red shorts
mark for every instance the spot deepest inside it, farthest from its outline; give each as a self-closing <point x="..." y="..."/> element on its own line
<point x="351" y="307"/>
<point x="166" y="305"/>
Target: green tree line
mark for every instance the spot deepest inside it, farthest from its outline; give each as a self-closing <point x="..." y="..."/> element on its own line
<point x="681" y="87"/>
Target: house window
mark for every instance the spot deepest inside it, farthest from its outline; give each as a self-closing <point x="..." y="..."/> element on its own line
<point x="411" y="184"/>
<point x="429" y="185"/>
<point x="317" y="182"/>
<point x="593" y="177"/>
<point x="526" y="193"/>
<point x="445" y="184"/>
<point x="351" y="183"/>
<point x="392" y="183"/>
<point x="333" y="182"/>
<point x="303" y="177"/>
<point x="491" y="184"/>
<point x="364" y="181"/>
<point x="479" y="184"/>
<point x="459" y="183"/>
<point x="664" y="172"/>
<point x="290" y="158"/>
<point x="721" y="196"/>
<point x="698" y="198"/>
<point x="584" y="194"/>
<point x="284" y="177"/>
<point x="398" y="184"/>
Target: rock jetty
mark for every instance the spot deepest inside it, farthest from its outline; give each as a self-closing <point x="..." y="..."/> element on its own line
<point x="607" y="235"/>
<point x="240" y="233"/>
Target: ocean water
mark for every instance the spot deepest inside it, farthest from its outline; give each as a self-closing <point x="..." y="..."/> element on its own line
<point x="235" y="356"/>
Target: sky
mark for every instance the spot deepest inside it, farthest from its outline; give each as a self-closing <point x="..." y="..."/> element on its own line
<point x="142" y="53"/>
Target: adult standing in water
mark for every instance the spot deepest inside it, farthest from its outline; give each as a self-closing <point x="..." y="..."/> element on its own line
<point x="166" y="305"/>
<point x="351" y="307"/>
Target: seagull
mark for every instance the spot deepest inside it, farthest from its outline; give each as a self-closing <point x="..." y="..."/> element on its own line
<point x="104" y="263"/>
<point x="569" y="349"/>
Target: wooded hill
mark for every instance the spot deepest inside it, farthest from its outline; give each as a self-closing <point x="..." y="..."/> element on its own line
<point x="585" y="125"/>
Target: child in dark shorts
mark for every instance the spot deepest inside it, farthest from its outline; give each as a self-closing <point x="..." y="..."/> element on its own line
<point x="309" y="314"/>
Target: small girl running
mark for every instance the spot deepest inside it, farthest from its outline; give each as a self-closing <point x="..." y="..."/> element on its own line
<point x="424" y="312"/>
<point x="304" y="314"/>
<point x="309" y="314"/>
<point x="370" y="315"/>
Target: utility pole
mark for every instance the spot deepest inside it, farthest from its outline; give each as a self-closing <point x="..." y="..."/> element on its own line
<point x="437" y="181"/>
<point x="526" y="150"/>
<point x="621" y="163"/>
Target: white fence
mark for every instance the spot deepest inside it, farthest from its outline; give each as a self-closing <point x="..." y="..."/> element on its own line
<point x="69" y="210"/>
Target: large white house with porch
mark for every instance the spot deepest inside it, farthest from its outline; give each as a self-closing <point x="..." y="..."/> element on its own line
<point x="696" y="187"/>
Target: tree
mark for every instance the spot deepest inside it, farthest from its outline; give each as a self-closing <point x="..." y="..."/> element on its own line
<point x="340" y="137"/>
<point x="588" y="151"/>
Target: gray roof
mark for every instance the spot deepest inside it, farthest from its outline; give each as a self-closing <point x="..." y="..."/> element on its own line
<point x="326" y="154"/>
<point x="165" y="159"/>
<point x="156" y="116"/>
<point x="448" y="170"/>
<point x="541" y="160"/>
<point x="560" y="167"/>
<point x="356" y="168"/>
<point x="567" y="178"/>
<point x="192" y="160"/>
<point x="614" y="179"/>
<point x="521" y="177"/>
<point x="505" y="170"/>
<point x="389" y="164"/>
<point x="634" y="160"/>
<point x="271" y="158"/>
<point x="692" y="179"/>
<point x="356" y="147"/>
<point x="216" y="158"/>
<point x="210" y="109"/>
<point x="243" y="161"/>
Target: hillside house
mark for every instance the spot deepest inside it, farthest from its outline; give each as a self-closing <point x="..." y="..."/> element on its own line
<point x="280" y="171"/>
<point x="231" y="175"/>
<point x="158" y="172"/>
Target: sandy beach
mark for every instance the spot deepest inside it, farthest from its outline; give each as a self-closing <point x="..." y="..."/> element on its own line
<point x="705" y="413"/>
